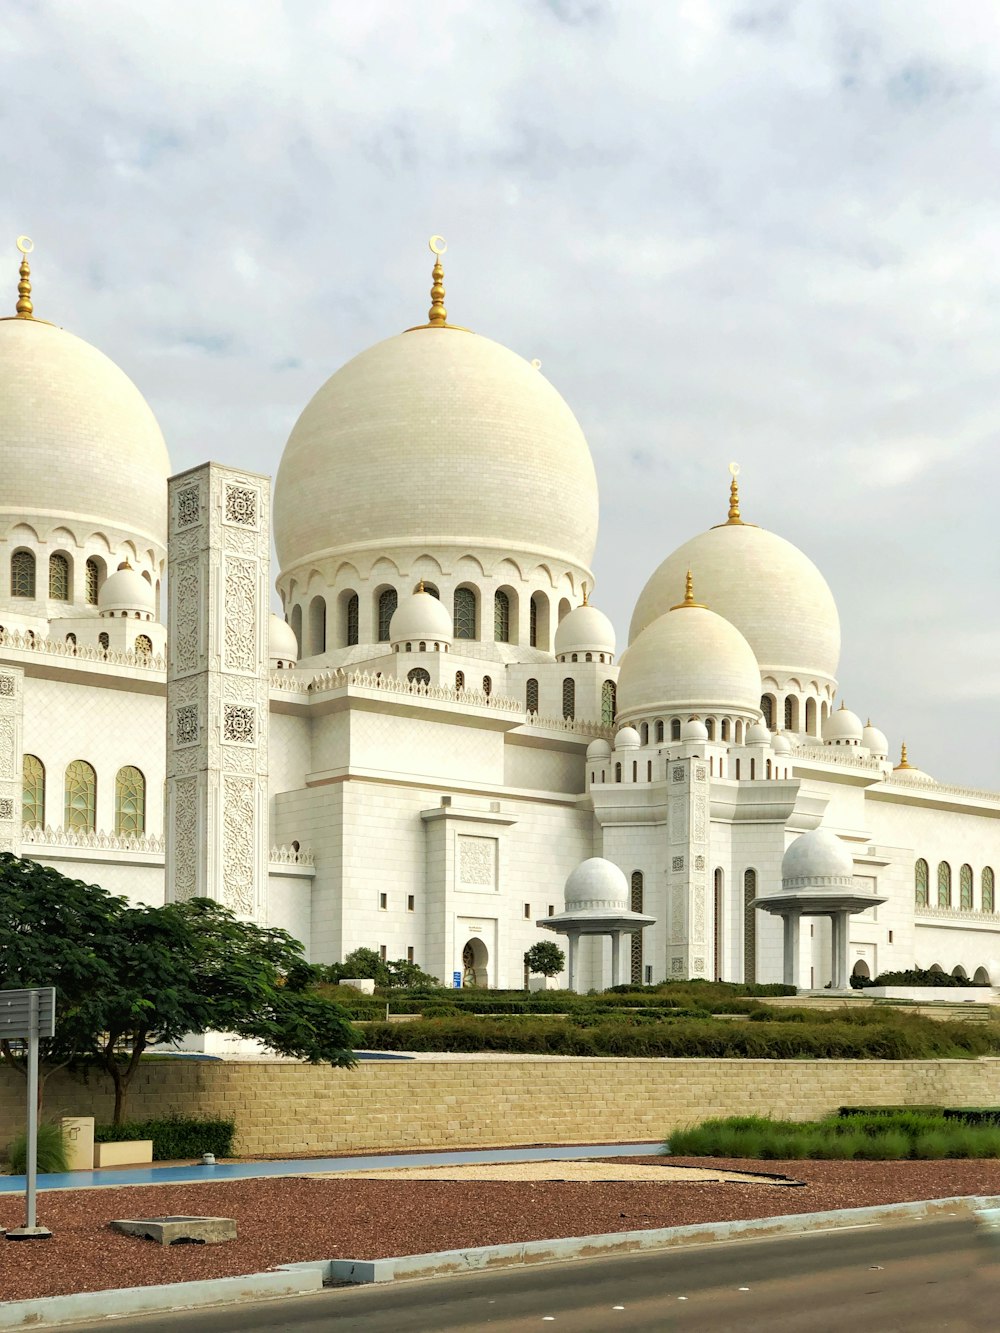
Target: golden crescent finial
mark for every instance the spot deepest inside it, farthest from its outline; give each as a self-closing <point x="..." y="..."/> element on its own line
<point x="24" y="308"/>
<point x="734" y="495"/>
<point x="688" y="596"/>
<point x="438" y="245"/>
<point x="25" y="244"/>
<point x="437" y="316"/>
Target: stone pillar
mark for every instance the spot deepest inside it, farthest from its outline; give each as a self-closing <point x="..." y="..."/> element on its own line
<point x="687" y="868"/>
<point x="12" y="758"/>
<point x="841" y="939"/>
<point x="790" y="923"/>
<point x="572" y="957"/>
<point x="217" y="688"/>
<point x="619" y="942"/>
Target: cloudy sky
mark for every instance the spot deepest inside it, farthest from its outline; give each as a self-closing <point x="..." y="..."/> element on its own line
<point x="763" y="232"/>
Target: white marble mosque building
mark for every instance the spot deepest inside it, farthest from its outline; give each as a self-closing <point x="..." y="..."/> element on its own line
<point x="441" y="728"/>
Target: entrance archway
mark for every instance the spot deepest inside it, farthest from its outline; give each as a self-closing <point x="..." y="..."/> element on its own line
<point x="475" y="963"/>
<point x="982" y="977"/>
<point x="861" y="969"/>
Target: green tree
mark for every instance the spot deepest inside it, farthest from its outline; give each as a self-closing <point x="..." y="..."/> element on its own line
<point x="131" y="977"/>
<point x="545" y="958"/>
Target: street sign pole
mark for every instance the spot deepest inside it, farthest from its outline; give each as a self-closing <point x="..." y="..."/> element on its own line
<point x="32" y="1032"/>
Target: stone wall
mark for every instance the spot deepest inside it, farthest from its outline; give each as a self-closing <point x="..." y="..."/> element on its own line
<point x="291" y="1108"/>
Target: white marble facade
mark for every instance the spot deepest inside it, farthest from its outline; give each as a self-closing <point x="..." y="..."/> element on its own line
<point x="439" y="728"/>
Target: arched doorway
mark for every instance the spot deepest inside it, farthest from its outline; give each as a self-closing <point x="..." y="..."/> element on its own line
<point x="475" y="961"/>
<point x="982" y="977"/>
<point x="862" y="970"/>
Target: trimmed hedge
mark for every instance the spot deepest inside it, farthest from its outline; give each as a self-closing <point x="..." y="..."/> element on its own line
<point x="174" y="1137"/>
<point x="884" y="1136"/>
<point x="967" y="1115"/>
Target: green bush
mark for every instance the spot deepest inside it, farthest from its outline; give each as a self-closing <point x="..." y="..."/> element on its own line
<point x="50" y="1155"/>
<point x="174" y="1137"/>
<point x="889" y="1136"/>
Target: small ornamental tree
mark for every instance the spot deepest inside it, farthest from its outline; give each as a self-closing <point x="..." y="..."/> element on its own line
<point x="545" y="958"/>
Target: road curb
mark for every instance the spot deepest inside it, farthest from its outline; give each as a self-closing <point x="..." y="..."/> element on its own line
<point x="295" y="1279"/>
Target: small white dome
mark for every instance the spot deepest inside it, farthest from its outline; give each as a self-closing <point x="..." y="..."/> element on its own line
<point x="758" y="734"/>
<point x="596" y="883"/>
<point x="420" y="617"/>
<point x="598" y="750"/>
<point x="282" y="643"/>
<point x="781" y="744"/>
<point x="125" y="590"/>
<point x="905" y="770"/>
<point x="842" y="725"/>
<point x="628" y="739"/>
<point x="585" y="630"/>
<point x="875" y="741"/>
<point x="817" y="860"/>
<point x="694" y="730"/>
<point x="689" y="660"/>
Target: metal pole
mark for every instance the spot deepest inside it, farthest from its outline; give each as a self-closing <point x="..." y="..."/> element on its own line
<point x="32" y="1163"/>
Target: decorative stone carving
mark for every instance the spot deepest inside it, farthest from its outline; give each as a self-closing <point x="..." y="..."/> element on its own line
<point x="7" y="739"/>
<point x="6" y="685"/>
<point x="6" y="807"/>
<point x="477" y="862"/>
<point x="238" y="724"/>
<point x="237" y="856"/>
<point x="188" y="507"/>
<point x="677" y="863"/>
<point x="700" y="774"/>
<point x="184" y="834"/>
<point x="185" y="595"/>
<point x="241" y="505"/>
<point x="241" y="607"/>
<point x="186" y="731"/>
<point x="677" y="774"/>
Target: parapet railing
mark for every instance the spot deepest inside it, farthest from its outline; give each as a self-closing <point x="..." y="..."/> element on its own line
<point x="96" y="840"/>
<point x="29" y="641"/>
<point x="291" y="856"/>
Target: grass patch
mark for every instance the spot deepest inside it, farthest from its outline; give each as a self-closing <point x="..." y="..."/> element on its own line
<point x="887" y="1136"/>
<point x="50" y="1154"/>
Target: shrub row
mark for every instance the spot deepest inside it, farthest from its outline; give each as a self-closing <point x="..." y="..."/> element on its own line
<point x="175" y="1136"/>
<point x="967" y="1115"/>
<point x="882" y="1137"/>
<point x="686" y="1037"/>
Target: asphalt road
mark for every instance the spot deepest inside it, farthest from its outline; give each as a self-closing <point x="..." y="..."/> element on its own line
<point x="914" y="1277"/>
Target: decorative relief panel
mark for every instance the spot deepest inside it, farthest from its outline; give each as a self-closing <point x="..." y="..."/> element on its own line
<point x="187" y="601"/>
<point x="7" y="685"/>
<point x="241" y="505"/>
<point x="240" y="541"/>
<point x="699" y="965"/>
<point x="239" y="689"/>
<point x="239" y="759"/>
<point x="677" y="914"/>
<point x="700" y="774"/>
<point x="241" y="615"/>
<point x="699" y="819"/>
<point x="238" y="844"/>
<point x="477" y="858"/>
<point x="188" y="507"/>
<point x="7" y="755"/>
<point x="184" y="835"/>
<point x="676" y="965"/>
<point x="677" y="863"/>
<point x="186" y="731"/>
<point x="238" y="724"/>
<point x="677" y="774"/>
<point x="699" y="863"/>
<point x="6" y="808"/>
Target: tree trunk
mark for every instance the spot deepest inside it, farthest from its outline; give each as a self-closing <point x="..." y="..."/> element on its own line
<point x="122" y="1075"/>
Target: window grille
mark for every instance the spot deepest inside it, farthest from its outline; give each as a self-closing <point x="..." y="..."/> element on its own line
<point x="130" y="802"/>
<point x="749" y="927"/>
<point x="989" y="900"/>
<point x="533" y="624"/>
<point x="487" y="686"/>
<point x="103" y="640"/>
<point x="58" y="577"/>
<point x="22" y="574"/>
<point x="609" y="702"/>
<point x="767" y="708"/>
<point x="459" y="680"/>
<point x="501" y="616"/>
<point x="387" y="603"/>
<point x="531" y="696"/>
<point x="143" y="645"/>
<point x="92" y="581"/>
<point x="81" y="797"/>
<point x="33" y="798"/>
<point x="944" y="884"/>
<point x="352" y="619"/>
<point x="569" y="698"/>
<point x="636" y="940"/>
<point x="419" y="676"/>
<point x="965" y="888"/>
<point x="465" y="613"/>
<point x="789" y="713"/>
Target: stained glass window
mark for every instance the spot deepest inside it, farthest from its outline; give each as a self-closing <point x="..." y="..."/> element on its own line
<point x="81" y="796"/>
<point x="22" y="574"/>
<point x="569" y="697"/>
<point x="767" y="708"/>
<point x="58" y="577"/>
<point x="944" y="884"/>
<point x="609" y="701"/>
<point x="501" y="617"/>
<point x="352" y="619"/>
<point x="965" y="888"/>
<point x="749" y="926"/>
<point x="92" y="581"/>
<point x="103" y="640"/>
<point x="636" y="940"/>
<point x="989" y="901"/>
<point x="459" y="680"/>
<point x="465" y="613"/>
<point x="130" y="802"/>
<point x="33" y="807"/>
<point x="143" y="645"/>
<point x="387" y="602"/>
<point x="531" y="696"/>
<point x="921" y="883"/>
<point x="418" y="676"/>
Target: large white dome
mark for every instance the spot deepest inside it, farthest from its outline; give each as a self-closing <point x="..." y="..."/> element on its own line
<point x="436" y="437"/>
<point x="689" y="659"/>
<point x="762" y="584"/>
<point x="77" y="439"/>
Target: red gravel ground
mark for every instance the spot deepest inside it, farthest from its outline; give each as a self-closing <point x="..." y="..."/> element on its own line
<point x="285" y="1220"/>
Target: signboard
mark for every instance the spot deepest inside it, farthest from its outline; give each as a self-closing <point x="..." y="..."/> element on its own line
<point x="456" y="981"/>
<point x="15" y="1013"/>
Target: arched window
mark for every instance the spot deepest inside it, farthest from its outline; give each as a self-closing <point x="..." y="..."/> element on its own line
<point x="944" y="884"/>
<point x="459" y="680"/>
<point x="352" y="614"/>
<point x="989" y="901"/>
<point x="811" y="717"/>
<point x="465" y="613"/>
<point x="418" y="676"/>
<point x="103" y="641"/>
<point x="659" y="733"/>
<point x="644" y="733"/>
<point x="22" y="574"/>
<point x="710" y="728"/>
<point x="71" y="641"/>
<point x="767" y="708"/>
<point x="91" y="581"/>
<point x="921" y="883"/>
<point x="317" y="626"/>
<point x="749" y="926"/>
<point x="965" y="888"/>
<point x="636" y="903"/>
<point x="130" y="802"/>
<point x="768" y="767"/>
<point x="675" y="729"/>
<point x="789" y="713"/>
<point x="81" y="797"/>
<point x="533" y="624"/>
<point x="609" y="702"/>
<point x="388" y="599"/>
<point x="738" y="732"/>
<point x="717" y="918"/>
<point x="501" y="616"/>
<point x="143" y="645"/>
<point x="58" y="577"/>
<point x="488" y="686"/>
<point x="724" y="728"/>
<point x="635" y="770"/>
<point x="33" y="799"/>
<point x="753" y="770"/>
<point x="296" y="624"/>
<point x="531" y="696"/>
<point x="569" y="698"/>
<point x="618" y="772"/>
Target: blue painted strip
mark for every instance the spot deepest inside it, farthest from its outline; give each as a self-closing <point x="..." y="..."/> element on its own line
<point x="169" y="1175"/>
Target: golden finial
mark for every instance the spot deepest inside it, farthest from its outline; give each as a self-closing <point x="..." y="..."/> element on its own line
<point x="903" y="761"/>
<point x="24" y="307"/>
<point x="734" y="495"/>
<point x="420" y="586"/>
<point x="437" y="316"/>
<point x="688" y="596"/>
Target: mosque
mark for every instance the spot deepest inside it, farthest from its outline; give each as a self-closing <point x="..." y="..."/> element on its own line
<point x="438" y="751"/>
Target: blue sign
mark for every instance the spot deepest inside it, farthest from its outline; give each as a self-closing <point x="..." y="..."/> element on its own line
<point x="456" y="980"/>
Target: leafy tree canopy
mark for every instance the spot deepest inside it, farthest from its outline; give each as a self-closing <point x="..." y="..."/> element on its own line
<point x="545" y="958"/>
<point x="388" y="974"/>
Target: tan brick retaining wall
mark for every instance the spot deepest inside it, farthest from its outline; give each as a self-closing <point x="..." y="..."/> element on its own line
<point x="291" y="1108"/>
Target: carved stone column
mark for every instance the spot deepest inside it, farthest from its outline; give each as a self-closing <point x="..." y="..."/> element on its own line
<point x="11" y="757"/>
<point x="687" y="867"/>
<point x="217" y="688"/>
